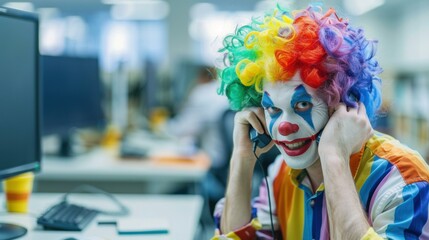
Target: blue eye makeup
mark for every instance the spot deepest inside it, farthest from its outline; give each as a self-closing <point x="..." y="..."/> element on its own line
<point x="302" y="104"/>
<point x="266" y="100"/>
<point x="268" y="104"/>
<point x="273" y="111"/>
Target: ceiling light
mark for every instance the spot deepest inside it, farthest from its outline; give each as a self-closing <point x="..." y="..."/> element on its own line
<point x="24" y="6"/>
<point x="142" y="10"/>
<point x="113" y="2"/>
<point x="48" y="13"/>
<point x="266" y="5"/>
<point x="359" y="7"/>
<point x="199" y="10"/>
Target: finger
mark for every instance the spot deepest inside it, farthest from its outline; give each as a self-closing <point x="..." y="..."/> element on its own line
<point x="269" y="146"/>
<point x="331" y="111"/>
<point x="354" y="109"/>
<point x="340" y="107"/>
<point x="362" y="108"/>
<point x="254" y="121"/>
<point x="266" y="148"/>
<point x="261" y="115"/>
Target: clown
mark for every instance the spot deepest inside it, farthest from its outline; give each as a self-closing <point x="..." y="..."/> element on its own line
<point x="294" y="117"/>
<point x="309" y="80"/>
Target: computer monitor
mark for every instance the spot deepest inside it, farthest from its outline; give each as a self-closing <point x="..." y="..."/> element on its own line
<point x="72" y="97"/>
<point x="19" y="99"/>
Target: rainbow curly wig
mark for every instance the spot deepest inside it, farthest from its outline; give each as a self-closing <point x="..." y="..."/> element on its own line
<point x="329" y="55"/>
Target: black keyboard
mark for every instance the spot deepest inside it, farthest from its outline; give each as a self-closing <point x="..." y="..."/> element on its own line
<point x="66" y="216"/>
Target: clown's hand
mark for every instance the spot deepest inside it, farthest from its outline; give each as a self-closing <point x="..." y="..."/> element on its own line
<point x="243" y="147"/>
<point x="345" y="133"/>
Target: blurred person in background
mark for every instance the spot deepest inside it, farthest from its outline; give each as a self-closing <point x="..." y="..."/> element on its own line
<point x="310" y="80"/>
<point x="197" y="125"/>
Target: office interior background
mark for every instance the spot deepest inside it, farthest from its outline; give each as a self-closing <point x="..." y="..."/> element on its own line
<point x="145" y="55"/>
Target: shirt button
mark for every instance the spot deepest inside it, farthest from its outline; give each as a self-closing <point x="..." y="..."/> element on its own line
<point x="312" y="203"/>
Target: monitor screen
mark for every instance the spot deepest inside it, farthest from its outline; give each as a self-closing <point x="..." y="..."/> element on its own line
<point x="19" y="98"/>
<point x="72" y="94"/>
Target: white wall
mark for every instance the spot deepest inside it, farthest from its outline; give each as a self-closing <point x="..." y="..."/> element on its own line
<point x="413" y="36"/>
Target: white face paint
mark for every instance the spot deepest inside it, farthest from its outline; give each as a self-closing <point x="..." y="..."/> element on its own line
<point x="294" y="115"/>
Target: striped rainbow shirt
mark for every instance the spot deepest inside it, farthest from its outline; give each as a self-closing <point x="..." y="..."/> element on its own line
<point x="391" y="179"/>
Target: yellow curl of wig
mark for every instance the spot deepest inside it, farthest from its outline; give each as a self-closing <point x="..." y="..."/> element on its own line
<point x="248" y="72"/>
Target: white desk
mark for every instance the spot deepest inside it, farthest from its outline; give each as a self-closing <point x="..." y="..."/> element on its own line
<point x="104" y="165"/>
<point x="167" y="168"/>
<point x="181" y="211"/>
<point x="167" y="161"/>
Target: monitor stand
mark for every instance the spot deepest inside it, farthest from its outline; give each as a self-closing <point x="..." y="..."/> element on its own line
<point x="11" y="231"/>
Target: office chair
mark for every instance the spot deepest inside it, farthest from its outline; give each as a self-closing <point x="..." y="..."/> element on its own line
<point x="226" y="128"/>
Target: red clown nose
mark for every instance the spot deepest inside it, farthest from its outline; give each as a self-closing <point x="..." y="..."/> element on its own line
<point x="286" y="128"/>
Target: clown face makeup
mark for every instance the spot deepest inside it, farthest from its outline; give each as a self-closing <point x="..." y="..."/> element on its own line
<point x="294" y="116"/>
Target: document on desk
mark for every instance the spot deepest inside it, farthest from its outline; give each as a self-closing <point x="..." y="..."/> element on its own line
<point x="139" y="226"/>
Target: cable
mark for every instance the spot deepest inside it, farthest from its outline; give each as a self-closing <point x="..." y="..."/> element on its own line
<point x="268" y="188"/>
<point x="123" y="210"/>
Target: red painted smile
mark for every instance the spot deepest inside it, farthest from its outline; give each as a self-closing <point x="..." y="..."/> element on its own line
<point x="295" y="147"/>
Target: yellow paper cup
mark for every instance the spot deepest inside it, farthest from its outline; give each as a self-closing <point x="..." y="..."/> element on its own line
<point x="17" y="191"/>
